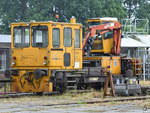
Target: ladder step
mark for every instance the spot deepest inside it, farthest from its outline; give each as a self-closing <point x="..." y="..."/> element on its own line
<point x="71" y="87"/>
<point x="73" y="76"/>
<point x="71" y="81"/>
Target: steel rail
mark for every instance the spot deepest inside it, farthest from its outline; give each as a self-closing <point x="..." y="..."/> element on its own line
<point x="17" y="95"/>
<point x="103" y="101"/>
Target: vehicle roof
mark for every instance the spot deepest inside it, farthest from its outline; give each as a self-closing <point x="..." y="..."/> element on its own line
<point x="46" y="22"/>
<point x="105" y="18"/>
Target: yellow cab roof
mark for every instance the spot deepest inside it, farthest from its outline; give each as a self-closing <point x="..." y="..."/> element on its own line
<point x="45" y="22"/>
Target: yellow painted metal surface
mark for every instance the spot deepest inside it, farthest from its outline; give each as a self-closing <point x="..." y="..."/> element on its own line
<point x="30" y="56"/>
<point x="92" y="58"/>
<point x="73" y="20"/>
<point x="106" y="46"/>
<point x="27" y="83"/>
<point x="112" y="62"/>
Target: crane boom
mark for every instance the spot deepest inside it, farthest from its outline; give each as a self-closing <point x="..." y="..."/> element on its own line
<point x="102" y="29"/>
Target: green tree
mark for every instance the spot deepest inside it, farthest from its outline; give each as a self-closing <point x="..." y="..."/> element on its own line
<point x="12" y="11"/>
<point x="40" y="10"/>
<point x="144" y="10"/>
<point x="83" y="9"/>
<point x="113" y="8"/>
<point x="143" y="13"/>
<point x="43" y="10"/>
<point x="132" y="6"/>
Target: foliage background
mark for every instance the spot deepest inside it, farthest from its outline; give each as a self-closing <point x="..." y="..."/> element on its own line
<point x="43" y="10"/>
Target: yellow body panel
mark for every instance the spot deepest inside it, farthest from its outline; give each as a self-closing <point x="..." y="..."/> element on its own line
<point x="29" y="56"/>
<point x="108" y="61"/>
<point x="106" y="46"/>
<point x="23" y="83"/>
<point x="112" y="62"/>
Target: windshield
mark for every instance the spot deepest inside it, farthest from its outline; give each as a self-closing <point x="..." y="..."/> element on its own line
<point x="93" y="23"/>
<point x="108" y="35"/>
<point x="21" y="36"/>
<point x="39" y="36"/>
<point x="106" y="22"/>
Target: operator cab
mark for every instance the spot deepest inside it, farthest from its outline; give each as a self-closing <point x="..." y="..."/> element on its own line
<point x="56" y="45"/>
<point x="103" y="43"/>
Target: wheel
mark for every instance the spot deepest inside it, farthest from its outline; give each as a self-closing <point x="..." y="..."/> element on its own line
<point x="129" y="73"/>
<point x="61" y="81"/>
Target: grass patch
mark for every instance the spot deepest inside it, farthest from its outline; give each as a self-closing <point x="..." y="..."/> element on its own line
<point x="112" y="102"/>
<point x="144" y="83"/>
<point x="81" y="102"/>
<point x="80" y="96"/>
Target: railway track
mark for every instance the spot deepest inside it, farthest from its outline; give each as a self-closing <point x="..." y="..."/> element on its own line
<point x="103" y="100"/>
<point x="121" y="99"/>
<point x="97" y="101"/>
<point x="106" y="100"/>
<point x="17" y="95"/>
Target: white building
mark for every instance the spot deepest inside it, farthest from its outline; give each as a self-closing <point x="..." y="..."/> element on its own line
<point x="5" y="45"/>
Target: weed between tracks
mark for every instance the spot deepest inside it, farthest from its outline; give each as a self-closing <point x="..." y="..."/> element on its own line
<point x="81" y="96"/>
<point x="63" y="98"/>
<point x="68" y="97"/>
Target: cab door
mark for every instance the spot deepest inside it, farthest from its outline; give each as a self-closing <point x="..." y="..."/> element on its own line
<point x="77" y="47"/>
<point x="68" y="42"/>
<point x="56" y="61"/>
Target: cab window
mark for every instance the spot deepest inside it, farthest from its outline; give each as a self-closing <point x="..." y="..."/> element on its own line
<point x="77" y="38"/>
<point x="93" y="23"/>
<point x="39" y="36"/>
<point x="21" y="36"/>
<point x="56" y="38"/>
<point x="108" y="35"/>
<point x="67" y="37"/>
<point x="106" y="22"/>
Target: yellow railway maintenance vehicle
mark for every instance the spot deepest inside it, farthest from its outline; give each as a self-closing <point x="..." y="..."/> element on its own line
<point x="42" y="54"/>
<point x="49" y="56"/>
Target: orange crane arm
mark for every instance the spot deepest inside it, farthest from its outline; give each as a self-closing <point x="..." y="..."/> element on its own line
<point x="115" y="26"/>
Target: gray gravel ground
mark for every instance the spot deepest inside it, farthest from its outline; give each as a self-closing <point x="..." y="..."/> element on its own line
<point x="37" y="105"/>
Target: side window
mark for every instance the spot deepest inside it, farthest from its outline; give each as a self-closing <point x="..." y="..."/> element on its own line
<point x="3" y="59"/>
<point x="77" y="38"/>
<point x="67" y="37"/>
<point x="108" y="35"/>
<point x="56" y="38"/>
<point x="39" y="36"/>
<point x="21" y="36"/>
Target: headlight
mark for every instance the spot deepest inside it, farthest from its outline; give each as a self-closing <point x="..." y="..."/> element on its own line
<point x="44" y="63"/>
<point x="13" y="63"/>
